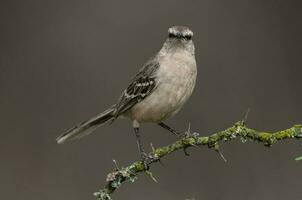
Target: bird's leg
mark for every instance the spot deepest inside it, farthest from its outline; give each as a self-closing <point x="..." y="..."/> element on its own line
<point x="144" y="157"/>
<point x="139" y="142"/>
<point x="165" y="126"/>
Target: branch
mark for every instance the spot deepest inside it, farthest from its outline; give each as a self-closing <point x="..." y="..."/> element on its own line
<point x="120" y="175"/>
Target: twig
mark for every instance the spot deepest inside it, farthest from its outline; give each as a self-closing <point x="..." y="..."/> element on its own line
<point x="122" y="174"/>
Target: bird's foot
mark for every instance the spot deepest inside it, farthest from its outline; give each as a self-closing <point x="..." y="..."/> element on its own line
<point x="146" y="160"/>
<point x="194" y="135"/>
<point x="188" y="133"/>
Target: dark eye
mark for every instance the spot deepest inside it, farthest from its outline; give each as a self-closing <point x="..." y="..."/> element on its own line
<point x="188" y="37"/>
<point x="171" y="35"/>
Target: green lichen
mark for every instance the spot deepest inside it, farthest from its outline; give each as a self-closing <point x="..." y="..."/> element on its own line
<point x="120" y="175"/>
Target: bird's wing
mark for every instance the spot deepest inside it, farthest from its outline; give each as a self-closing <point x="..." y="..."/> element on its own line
<point x="141" y="86"/>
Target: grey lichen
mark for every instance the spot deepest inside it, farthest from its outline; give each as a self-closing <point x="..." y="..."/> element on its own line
<point x="120" y="175"/>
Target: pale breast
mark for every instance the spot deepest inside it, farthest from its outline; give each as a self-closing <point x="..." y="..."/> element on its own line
<point x="176" y="80"/>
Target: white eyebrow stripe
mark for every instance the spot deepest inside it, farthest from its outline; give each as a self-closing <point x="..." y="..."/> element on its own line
<point x="185" y="33"/>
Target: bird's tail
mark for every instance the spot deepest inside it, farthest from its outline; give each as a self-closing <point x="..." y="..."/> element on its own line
<point x="87" y="127"/>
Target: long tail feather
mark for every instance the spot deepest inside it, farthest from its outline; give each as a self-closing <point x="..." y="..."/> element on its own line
<point x="87" y="127"/>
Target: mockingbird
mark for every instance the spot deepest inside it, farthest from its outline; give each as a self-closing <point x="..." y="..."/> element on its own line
<point x="158" y="91"/>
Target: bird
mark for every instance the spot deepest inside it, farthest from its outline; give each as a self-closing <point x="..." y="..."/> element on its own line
<point x="157" y="92"/>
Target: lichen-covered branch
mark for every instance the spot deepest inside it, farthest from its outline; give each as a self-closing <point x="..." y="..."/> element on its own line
<point x="120" y="175"/>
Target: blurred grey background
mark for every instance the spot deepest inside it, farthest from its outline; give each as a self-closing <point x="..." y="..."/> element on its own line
<point x="64" y="61"/>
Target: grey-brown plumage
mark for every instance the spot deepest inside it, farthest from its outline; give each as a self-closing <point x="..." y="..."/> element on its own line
<point x="157" y="92"/>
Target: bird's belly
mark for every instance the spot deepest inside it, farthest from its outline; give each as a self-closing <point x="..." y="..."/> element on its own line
<point x="166" y="100"/>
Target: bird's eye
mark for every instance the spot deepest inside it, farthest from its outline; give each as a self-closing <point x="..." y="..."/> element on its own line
<point x="188" y="37"/>
<point x="171" y="35"/>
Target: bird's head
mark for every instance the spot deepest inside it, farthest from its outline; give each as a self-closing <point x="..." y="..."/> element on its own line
<point x="179" y="37"/>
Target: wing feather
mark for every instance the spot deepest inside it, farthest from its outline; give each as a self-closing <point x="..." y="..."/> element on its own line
<point x="141" y="86"/>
